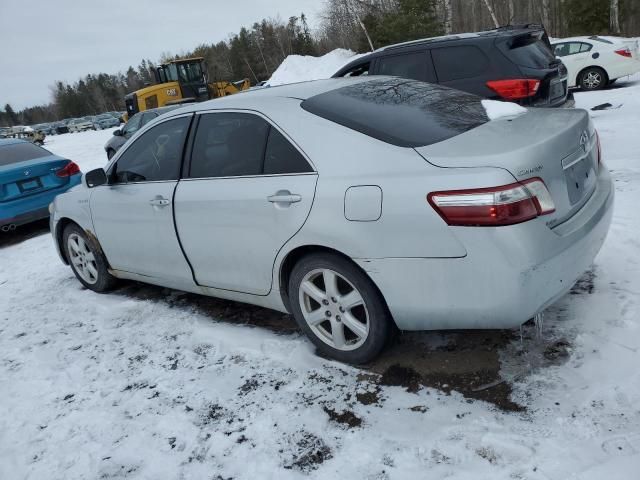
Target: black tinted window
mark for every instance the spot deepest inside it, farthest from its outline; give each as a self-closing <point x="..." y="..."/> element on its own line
<point x="455" y="63"/>
<point x="357" y="70"/>
<point x="229" y="145"/>
<point x="406" y="113"/>
<point x="282" y="157"/>
<point x="530" y="51"/>
<point x="20" y="152"/>
<point x="154" y="156"/>
<point x="133" y="125"/>
<point x="411" y="65"/>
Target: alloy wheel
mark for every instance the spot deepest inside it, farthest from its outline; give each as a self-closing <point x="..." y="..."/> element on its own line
<point x="592" y="80"/>
<point x="334" y="309"/>
<point x="82" y="258"/>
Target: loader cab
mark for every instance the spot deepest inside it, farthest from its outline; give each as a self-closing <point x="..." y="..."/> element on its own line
<point x="191" y="76"/>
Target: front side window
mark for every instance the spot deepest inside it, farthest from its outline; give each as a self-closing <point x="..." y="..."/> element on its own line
<point x="228" y="145"/>
<point x="455" y="63"/>
<point x="154" y="156"/>
<point x="411" y="65"/>
<point x="357" y="70"/>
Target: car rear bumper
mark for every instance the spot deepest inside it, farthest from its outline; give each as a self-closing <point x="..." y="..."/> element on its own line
<point x="34" y="207"/>
<point x="509" y="274"/>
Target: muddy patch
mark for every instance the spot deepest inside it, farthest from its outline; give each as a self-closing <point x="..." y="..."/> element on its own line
<point x="307" y="453"/>
<point x="346" y="417"/>
<point x="585" y="284"/>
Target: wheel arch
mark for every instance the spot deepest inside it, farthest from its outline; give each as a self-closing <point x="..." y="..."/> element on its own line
<point x="579" y="76"/>
<point x="292" y="257"/>
<point x="61" y="225"/>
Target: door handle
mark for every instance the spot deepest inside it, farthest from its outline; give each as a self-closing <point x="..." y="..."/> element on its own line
<point x="284" y="196"/>
<point x="159" y="202"/>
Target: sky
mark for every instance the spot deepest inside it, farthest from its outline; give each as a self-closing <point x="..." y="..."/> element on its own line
<point x="44" y="40"/>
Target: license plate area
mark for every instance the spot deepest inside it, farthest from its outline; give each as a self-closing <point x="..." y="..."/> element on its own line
<point x="558" y="89"/>
<point x="29" y="185"/>
<point x="580" y="176"/>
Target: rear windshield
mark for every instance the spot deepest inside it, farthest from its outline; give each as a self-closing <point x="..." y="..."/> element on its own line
<point x="530" y="51"/>
<point x="20" y="152"/>
<point x="402" y="112"/>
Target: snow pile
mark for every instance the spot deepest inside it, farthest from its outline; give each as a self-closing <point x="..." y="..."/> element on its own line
<point x="302" y="68"/>
<point x="496" y="109"/>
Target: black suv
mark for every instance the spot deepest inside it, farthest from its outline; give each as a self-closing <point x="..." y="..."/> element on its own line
<point x="512" y="63"/>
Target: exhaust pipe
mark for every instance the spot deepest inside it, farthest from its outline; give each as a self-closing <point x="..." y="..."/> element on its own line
<point x="8" y="228"/>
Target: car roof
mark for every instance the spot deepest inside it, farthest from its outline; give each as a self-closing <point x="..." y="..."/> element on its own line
<point x="600" y="40"/>
<point x="250" y="99"/>
<point x="11" y="141"/>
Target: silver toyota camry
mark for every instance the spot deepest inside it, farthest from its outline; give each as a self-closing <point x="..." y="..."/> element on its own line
<point x="360" y="206"/>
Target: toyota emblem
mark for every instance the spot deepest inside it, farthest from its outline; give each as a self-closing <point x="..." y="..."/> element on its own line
<point x="27" y="173"/>
<point x="584" y="139"/>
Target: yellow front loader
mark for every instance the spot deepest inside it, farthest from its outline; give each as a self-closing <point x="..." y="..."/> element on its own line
<point x="180" y="81"/>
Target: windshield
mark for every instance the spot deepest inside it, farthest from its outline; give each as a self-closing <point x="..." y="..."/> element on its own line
<point x="20" y="152"/>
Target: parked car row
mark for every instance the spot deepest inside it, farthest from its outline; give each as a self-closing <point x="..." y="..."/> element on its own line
<point x="73" y="125"/>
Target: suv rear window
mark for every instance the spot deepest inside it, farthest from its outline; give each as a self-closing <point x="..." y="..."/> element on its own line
<point x="530" y="51"/>
<point x="20" y="152"/>
<point x="402" y="112"/>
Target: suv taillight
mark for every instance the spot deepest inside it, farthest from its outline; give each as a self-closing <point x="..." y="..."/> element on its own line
<point x="515" y="88"/>
<point x="69" y="169"/>
<point x="625" y="52"/>
<point x="493" y="207"/>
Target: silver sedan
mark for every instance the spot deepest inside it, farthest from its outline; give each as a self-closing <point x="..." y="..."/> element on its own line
<point x="358" y="205"/>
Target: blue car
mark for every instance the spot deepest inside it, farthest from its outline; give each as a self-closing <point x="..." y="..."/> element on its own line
<point x="30" y="178"/>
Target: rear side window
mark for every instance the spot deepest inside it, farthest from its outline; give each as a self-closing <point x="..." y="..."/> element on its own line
<point x="530" y="51"/>
<point x="229" y="145"/>
<point x="20" y="152"/>
<point x="281" y="157"/>
<point x="402" y="112"/>
<point x="155" y="156"/>
<point x="357" y="70"/>
<point x="410" y="65"/>
<point x="456" y="63"/>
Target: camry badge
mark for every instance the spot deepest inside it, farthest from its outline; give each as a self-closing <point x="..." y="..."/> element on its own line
<point x="584" y="139"/>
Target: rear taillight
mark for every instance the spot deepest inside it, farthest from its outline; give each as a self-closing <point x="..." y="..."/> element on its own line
<point x="69" y="169"/>
<point x="625" y="52"/>
<point x="492" y="207"/>
<point x="599" y="148"/>
<point x="514" y="89"/>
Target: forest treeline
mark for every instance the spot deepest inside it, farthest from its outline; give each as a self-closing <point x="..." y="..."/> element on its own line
<point x="359" y="25"/>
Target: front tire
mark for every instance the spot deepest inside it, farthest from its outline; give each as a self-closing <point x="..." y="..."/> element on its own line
<point x="339" y="308"/>
<point x="593" y="78"/>
<point x="86" y="261"/>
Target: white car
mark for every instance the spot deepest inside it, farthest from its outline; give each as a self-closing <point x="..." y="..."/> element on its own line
<point x="595" y="62"/>
<point x="80" y="125"/>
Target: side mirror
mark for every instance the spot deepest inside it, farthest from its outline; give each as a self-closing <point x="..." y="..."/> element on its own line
<point x="95" y="178"/>
<point x="117" y="133"/>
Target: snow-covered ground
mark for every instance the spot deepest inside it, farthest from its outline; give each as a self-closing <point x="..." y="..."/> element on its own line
<point x="149" y="383"/>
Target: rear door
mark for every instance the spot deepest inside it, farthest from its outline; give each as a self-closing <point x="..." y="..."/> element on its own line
<point x="132" y="215"/>
<point x="248" y="190"/>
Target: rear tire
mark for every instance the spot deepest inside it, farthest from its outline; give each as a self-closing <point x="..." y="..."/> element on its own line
<point x="339" y="308"/>
<point x="593" y="78"/>
<point x="87" y="262"/>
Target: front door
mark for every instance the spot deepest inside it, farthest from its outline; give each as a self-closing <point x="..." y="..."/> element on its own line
<point x="249" y="191"/>
<point x="133" y="214"/>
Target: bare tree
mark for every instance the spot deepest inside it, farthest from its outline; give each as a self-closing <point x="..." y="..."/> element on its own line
<point x="492" y="13"/>
<point x="614" y="16"/>
<point x="546" y="13"/>
<point x="448" y="16"/>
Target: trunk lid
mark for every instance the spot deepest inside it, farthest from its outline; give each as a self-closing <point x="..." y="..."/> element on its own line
<point x="557" y="145"/>
<point x="31" y="177"/>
